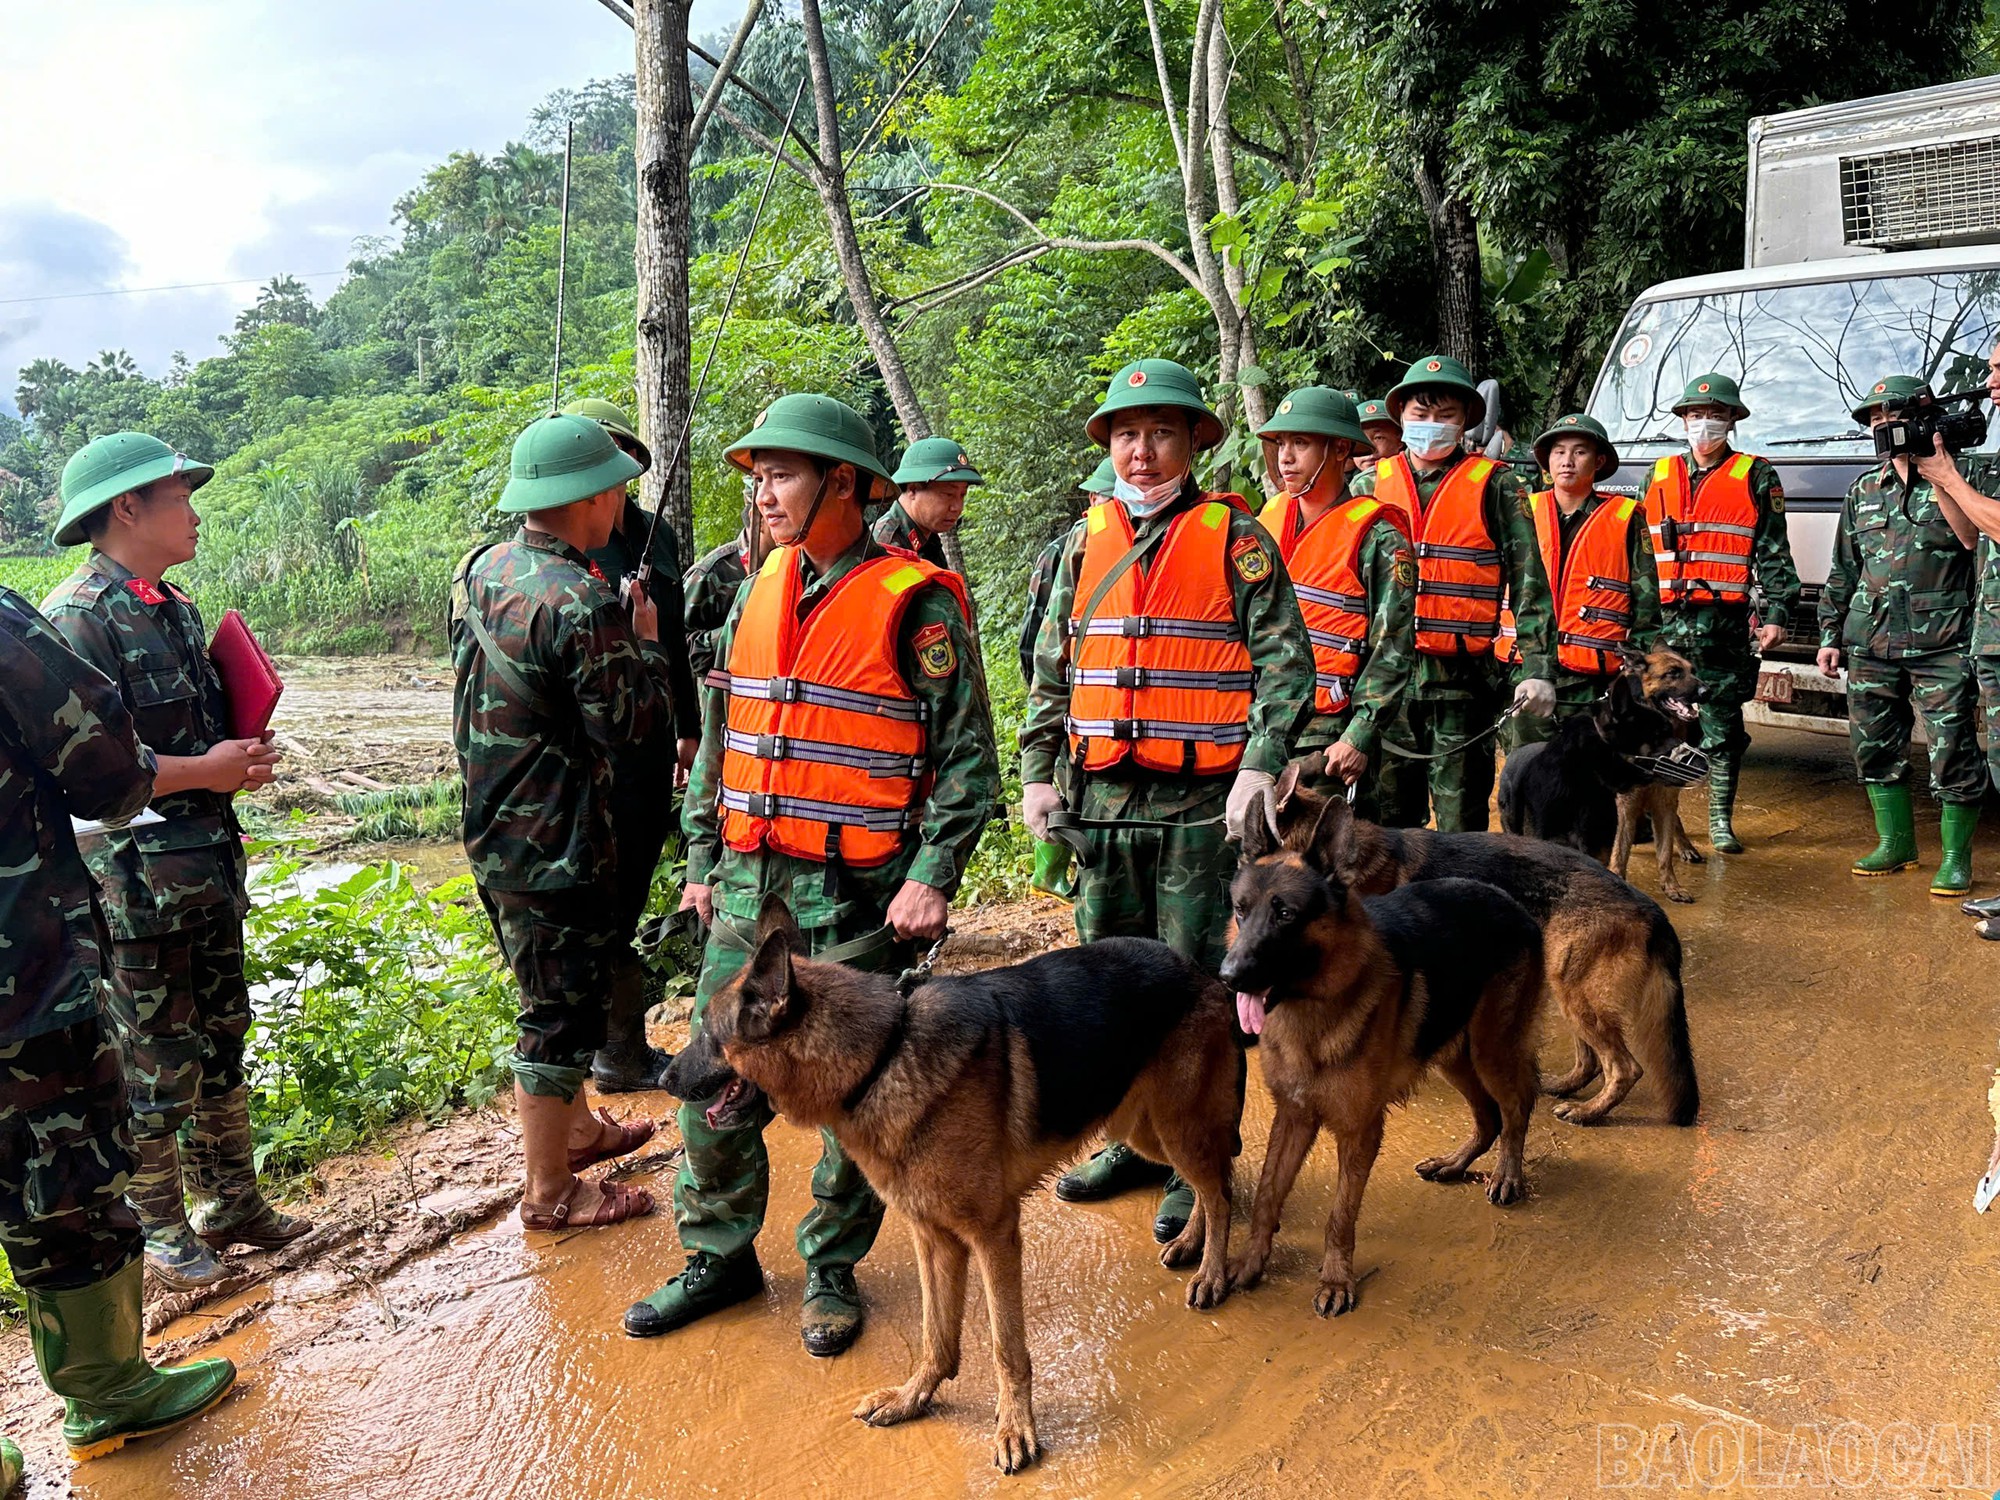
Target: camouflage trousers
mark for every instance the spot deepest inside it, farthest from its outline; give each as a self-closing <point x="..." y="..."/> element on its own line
<point x="724" y="1184"/>
<point x="562" y="946"/>
<point x="65" y="1159"/>
<point x="1986" y="671"/>
<point x="179" y="1009"/>
<point x="1166" y="883"/>
<point x="1401" y="791"/>
<point x="1884" y="699"/>
<point x="1459" y="785"/>
<point x="1716" y="640"/>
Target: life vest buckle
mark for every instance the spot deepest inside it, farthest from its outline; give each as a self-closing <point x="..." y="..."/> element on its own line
<point x="1126" y="729"/>
<point x="772" y="747"/>
<point x="785" y="689"/>
<point x="1135" y="627"/>
<point x="760" y="804"/>
<point x="1130" y="677"/>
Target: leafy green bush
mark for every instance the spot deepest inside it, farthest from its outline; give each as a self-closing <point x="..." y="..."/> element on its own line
<point x="427" y="810"/>
<point x="33" y="577"/>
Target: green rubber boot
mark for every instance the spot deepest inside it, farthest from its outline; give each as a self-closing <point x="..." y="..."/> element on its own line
<point x="1896" y="826"/>
<point x="12" y="1467"/>
<point x="178" y="1258"/>
<point x="1176" y="1208"/>
<point x="831" y="1319"/>
<point x="1722" y="804"/>
<point x="90" y="1347"/>
<point x="221" y="1165"/>
<point x="1955" y="829"/>
<point x="1053" y="875"/>
<point x="707" y="1284"/>
<point x="1114" y="1170"/>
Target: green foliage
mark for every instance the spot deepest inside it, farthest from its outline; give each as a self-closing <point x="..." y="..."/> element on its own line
<point x="33" y="577"/>
<point x="427" y="810"/>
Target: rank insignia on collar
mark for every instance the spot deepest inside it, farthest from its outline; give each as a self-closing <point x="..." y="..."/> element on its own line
<point x="1251" y="561"/>
<point x="934" y="653"/>
<point x="145" y="592"/>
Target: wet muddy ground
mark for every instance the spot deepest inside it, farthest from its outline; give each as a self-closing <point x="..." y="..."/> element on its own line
<point x="1796" y="1285"/>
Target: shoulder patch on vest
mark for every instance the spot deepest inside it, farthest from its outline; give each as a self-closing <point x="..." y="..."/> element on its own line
<point x="1405" y="568"/>
<point x="1251" y="561"/>
<point x="934" y="653"/>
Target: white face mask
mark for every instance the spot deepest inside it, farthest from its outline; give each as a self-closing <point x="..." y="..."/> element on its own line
<point x="1432" y="439"/>
<point x="1143" y="503"/>
<point x="1707" y="432"/>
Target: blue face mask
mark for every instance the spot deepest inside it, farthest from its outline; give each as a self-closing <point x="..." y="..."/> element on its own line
<point x="1142" y="503"/>
<point x="1432" y="439"/>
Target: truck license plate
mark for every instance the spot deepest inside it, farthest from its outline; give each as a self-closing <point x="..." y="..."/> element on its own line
<point x="1774" y="687"/>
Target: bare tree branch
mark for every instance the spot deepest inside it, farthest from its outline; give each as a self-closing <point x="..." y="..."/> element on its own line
<point x="932" y="298"/>
<point x="1166" y="85"/>
<point x="723" y="72"/>
<point x="806" y="169"/>
<point x="1153" y="248"/>
<point x="770" y="109"/>
<point x="882" y="115"/>
<point x="621" y="10"/>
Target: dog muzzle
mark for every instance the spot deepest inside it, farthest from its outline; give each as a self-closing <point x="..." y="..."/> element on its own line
<point x="1684" y="765"/>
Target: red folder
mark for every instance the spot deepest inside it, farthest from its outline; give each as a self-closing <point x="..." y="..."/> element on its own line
<point x="250" y="682"/>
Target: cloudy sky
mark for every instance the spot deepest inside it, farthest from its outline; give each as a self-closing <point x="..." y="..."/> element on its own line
<point x="148" y="143"/>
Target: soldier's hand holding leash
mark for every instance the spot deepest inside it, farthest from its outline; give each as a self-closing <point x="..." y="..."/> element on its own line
<point x="1346" y="762"/>
<point x="1537" y="695"/>
<point x="918" y="911"/>
<point x="699" y="899"/>
<point x="1038" y="800"/>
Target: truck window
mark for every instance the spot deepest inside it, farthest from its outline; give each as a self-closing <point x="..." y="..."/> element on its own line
<point x="1804" y="356"/>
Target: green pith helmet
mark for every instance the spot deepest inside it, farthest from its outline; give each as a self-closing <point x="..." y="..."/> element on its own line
<point x="113" y="465"/>
<point x="1155" y="382"/>
<point x="1375" y="411"/>
<point x="1438" y="372"/>
<point x="1315" y="409"/>
<point x="1576" y="424"/>
<point x="560" y="460"/>
<point x="933" y="460"/>
<point x="1712" y="389"/>
<point x="1890" y="388"/>
<point x="614" y="421"/>
<point x="1102" y="478"/>
<point x="819" y="427"/>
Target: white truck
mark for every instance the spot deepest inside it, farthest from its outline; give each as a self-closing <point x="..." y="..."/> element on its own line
<point x="1871" y="247"/>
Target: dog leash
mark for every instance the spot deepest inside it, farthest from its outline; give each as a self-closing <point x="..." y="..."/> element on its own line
<point x="868" y="945"/>
<point x="1062" y="821"/>
<point x="1466" y="744"/>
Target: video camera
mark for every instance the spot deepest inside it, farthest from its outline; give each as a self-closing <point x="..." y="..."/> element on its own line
<point x="1915" y="420"/>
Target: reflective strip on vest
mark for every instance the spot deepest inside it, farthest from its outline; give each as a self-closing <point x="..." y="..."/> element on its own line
<point x="1722" y="511"/>
<point x="1159" y="673"/>
<point x="1331" y="599"/>
<point x="1591" y="584"/>
<point x="797" y="690"/>
<point x="1458" y="559"/>
<point x="783" y="747"/>
<point x="1337" y="689"/>
<point x="770" y="806"/>
<point x="1324" y="559"/>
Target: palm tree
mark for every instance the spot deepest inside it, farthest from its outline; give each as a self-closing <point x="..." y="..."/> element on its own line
<point x="39" y="382"/>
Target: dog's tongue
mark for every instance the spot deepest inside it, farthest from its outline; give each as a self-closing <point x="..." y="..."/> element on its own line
<point x="1250" y="1012"/>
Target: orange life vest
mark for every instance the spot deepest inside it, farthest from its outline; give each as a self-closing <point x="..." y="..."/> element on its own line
<point x="825" y="747"/>
<point x="1592" y="586"/>
<point x="1705" y="558"/>
<point x="1158" y="669"/>
<point x="1458" y="561"/>
<point x="1324" y="560"/>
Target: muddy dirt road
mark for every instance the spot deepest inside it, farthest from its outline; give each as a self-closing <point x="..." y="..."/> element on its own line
<point x="1806" y="1257"/>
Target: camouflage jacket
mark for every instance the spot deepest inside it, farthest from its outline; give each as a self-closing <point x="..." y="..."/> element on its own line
<point x="1388" y="577"/>
<point x="619" y="558"/>
<point x="1511" y="524"/>
<point x="1900" y="583"/>
<point x="551" y="722"/>
<point x="894" y="528"/>
<point x="150" y="641"/>
<point x="1644" y="574"/>
<point x="964" y="792"/>
<point x="66" y="747"/>
<point x="708" y="593"/>
<point x="1040" y="581"/>
<point x="1267" y="615"/>
<point x="1771" y="565"/>
<point x="1982" y="472"/>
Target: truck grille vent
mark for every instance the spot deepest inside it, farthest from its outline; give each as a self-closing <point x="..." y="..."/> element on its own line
<point x="1921" y="195"/>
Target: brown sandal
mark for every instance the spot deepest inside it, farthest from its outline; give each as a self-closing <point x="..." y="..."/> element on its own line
<point x="617" y="1204"/>
<point x="626" y="1137"/>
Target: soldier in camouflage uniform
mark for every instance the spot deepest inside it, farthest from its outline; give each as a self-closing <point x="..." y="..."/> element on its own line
<point x="644" y="814"/>
<point x="1384" y="434"/>
<point x="173" y="891"/>
<point x="1898" y="602"/>
<point x="558" y="695"/>
<point x="935" y="476"/>
<point x="1308" y="443"/>
<point x="814" y="461"/>
<point x="1456" y="696"/>
<point x="1713" y="634"/>
<point x="1153" y="844"/>
<point x="710" y="590"/>
<point x="67" y="749"/>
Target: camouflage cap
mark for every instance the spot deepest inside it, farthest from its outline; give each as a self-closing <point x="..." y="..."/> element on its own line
<point x="1577" y="424"/>
<point x="1315" y="409"/>
<point x="614" y="421"/>
<point x="932" y="460"/>
<point x="113" y="465"/>
<point x="1712" y="389"/>
<point x="560" y="460"/>
<point x="1102" y="478"/>
<point x="1890" y="388"/>
<point x="1366" y="412"/>
<point x="1438" y="372"/>
<point x="819" y="427"/>
<point x="1155" y="382"/>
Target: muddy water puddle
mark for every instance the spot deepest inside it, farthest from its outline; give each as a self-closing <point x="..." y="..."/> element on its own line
<point x="1803" y="1263"/>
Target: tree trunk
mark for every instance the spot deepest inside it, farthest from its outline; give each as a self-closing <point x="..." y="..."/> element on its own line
<point x="1461" y="296"/>
<point x="661" y="254"/>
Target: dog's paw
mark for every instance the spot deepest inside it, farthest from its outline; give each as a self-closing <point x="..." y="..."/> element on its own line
<point x="1693" y="855"/>
<point x="892" y="1404"/>
<point x="1505" y="1187"/>
<point x="1014" y="1446"/>
<point x="1335" y="1298"/>
<point x="1178" y="1253"/>
<point x="1573" y="1113"/>
<point x="1205" y="1292"/>
<point x="1440" y="1169"/>
<point x="1675" y="893"/>
<point x="1246" y="1273"/>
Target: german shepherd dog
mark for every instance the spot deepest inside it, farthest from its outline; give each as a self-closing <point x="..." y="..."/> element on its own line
<point x="1355" y="1001"/>
<point x="1612" y="958"/>
<point x="959" y="1099"/>
<point x="1582" y="787"/>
